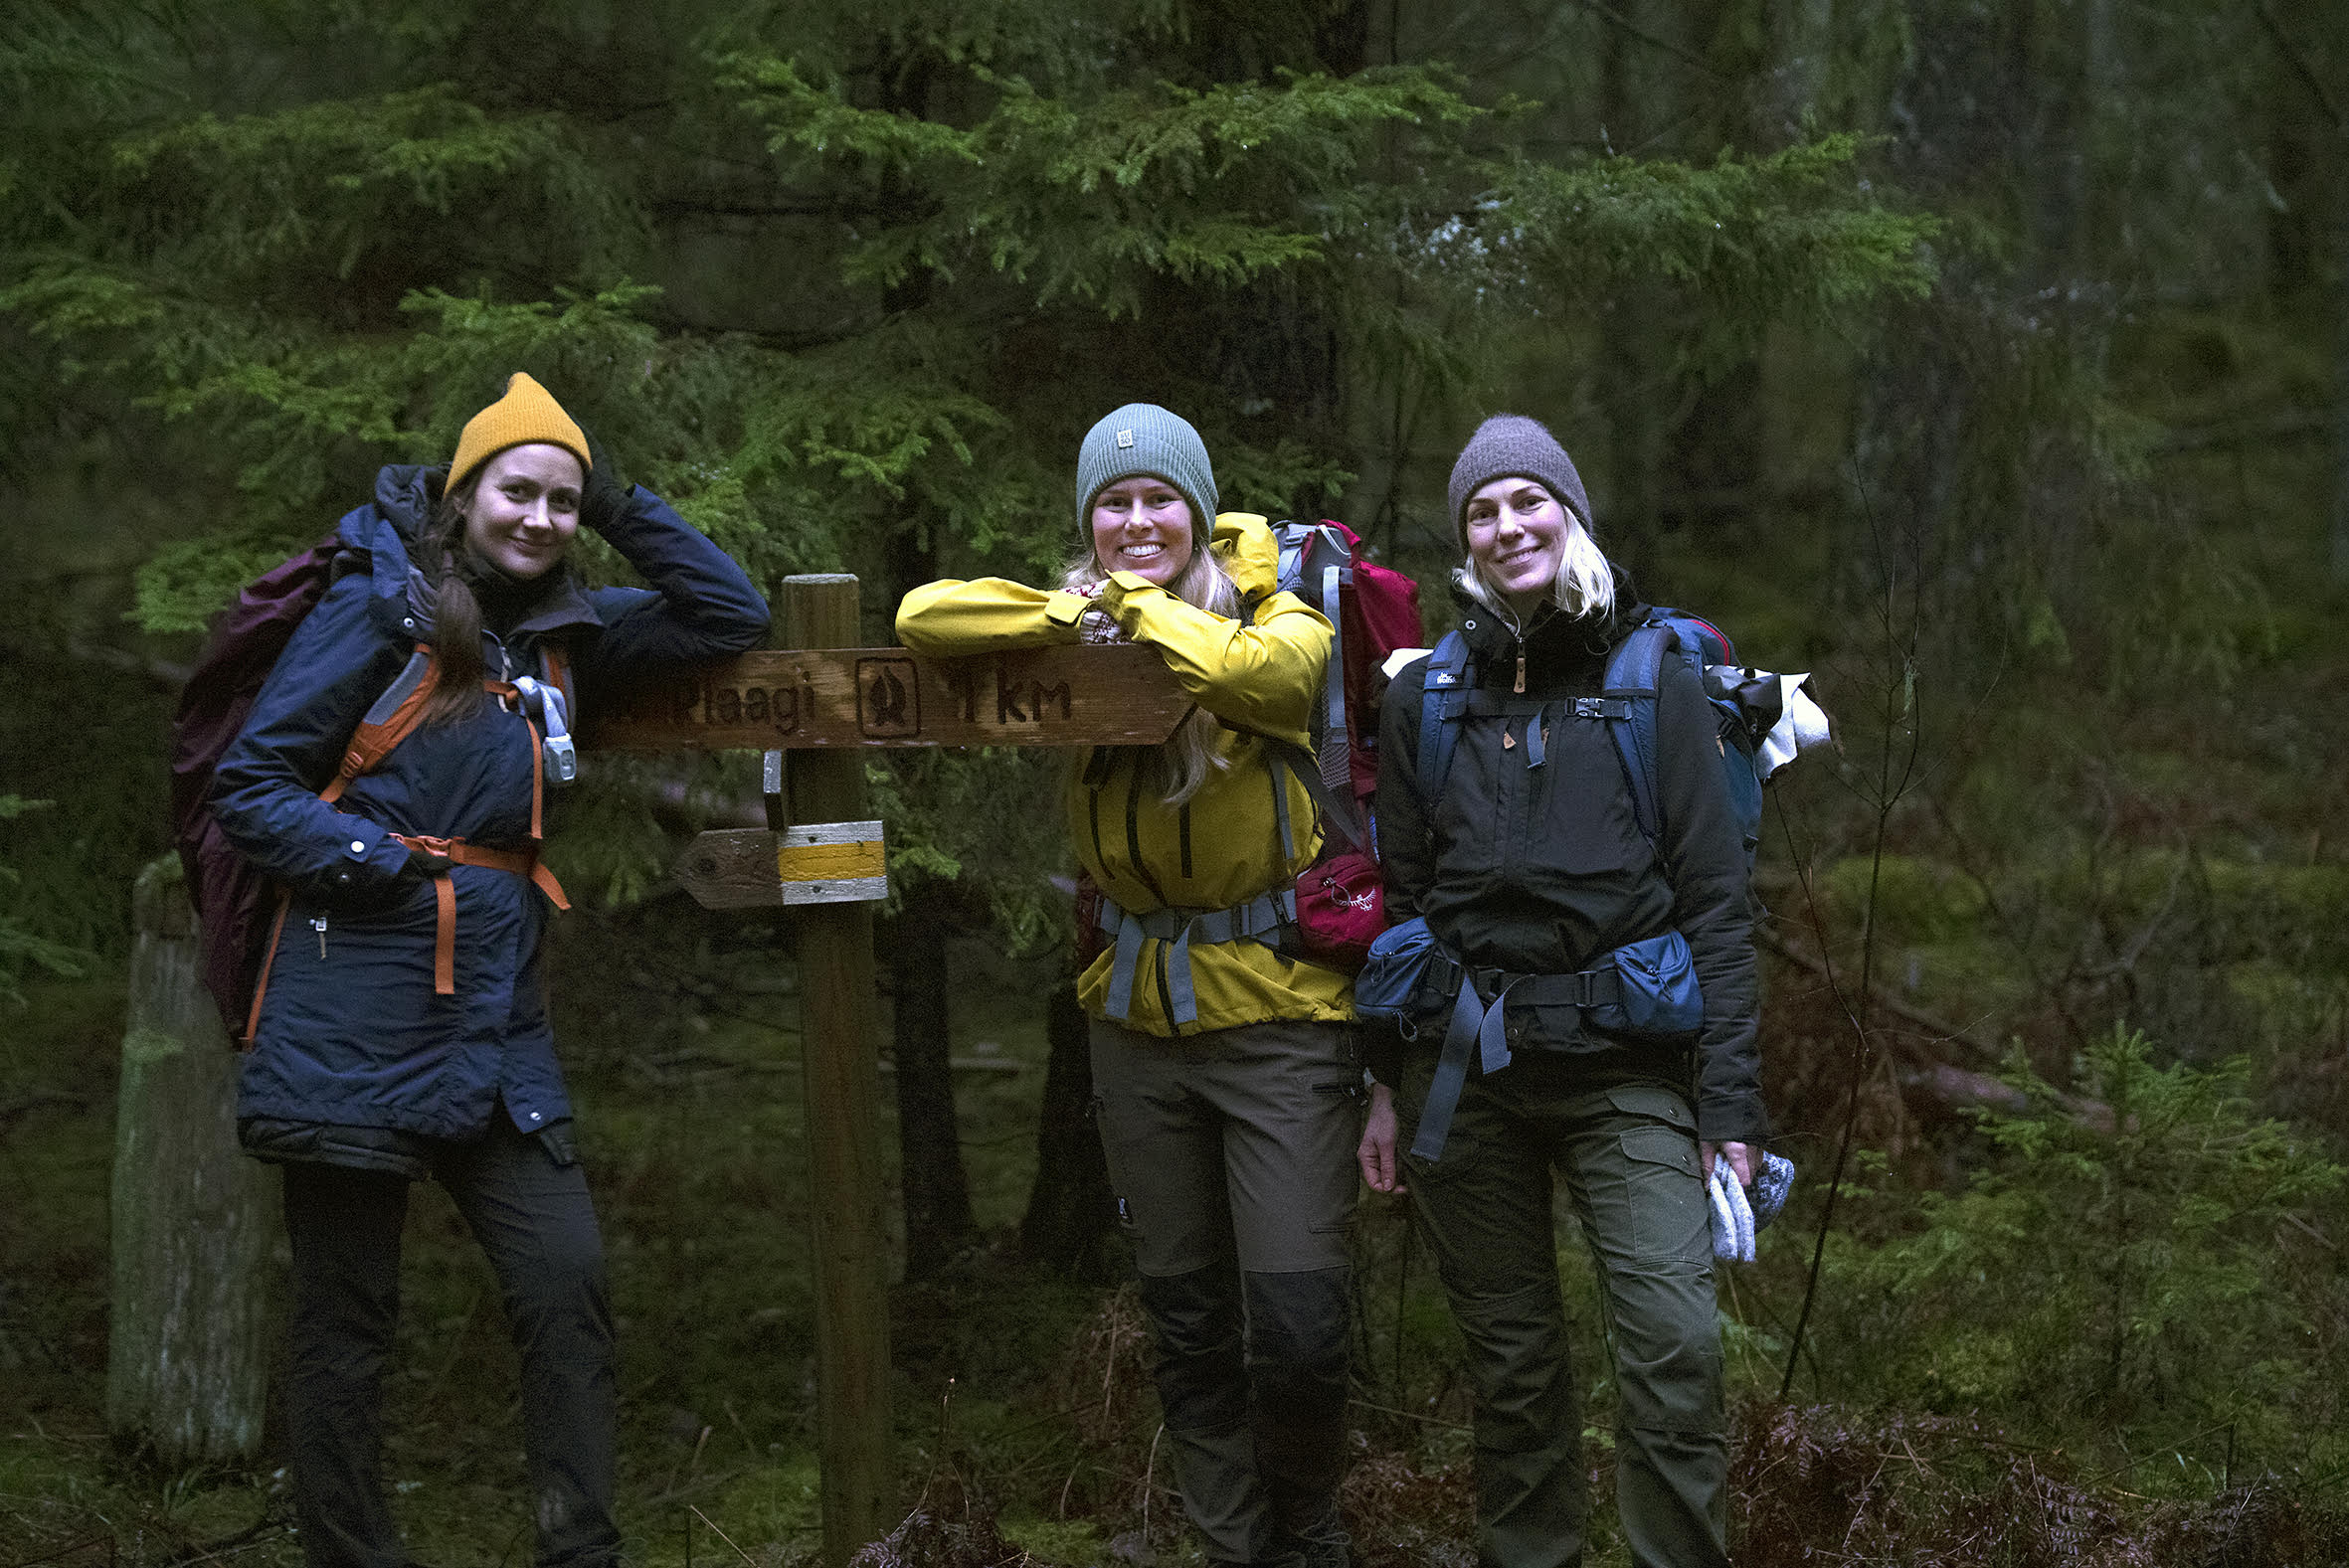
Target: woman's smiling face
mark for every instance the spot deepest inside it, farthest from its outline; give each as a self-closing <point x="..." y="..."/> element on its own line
<point x="1143" y="525"/>
<point x="1516" y="536"/>
<point x="526" y="509"/>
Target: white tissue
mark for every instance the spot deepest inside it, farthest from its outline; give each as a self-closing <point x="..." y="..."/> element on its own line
<point x="1802" y="724"/>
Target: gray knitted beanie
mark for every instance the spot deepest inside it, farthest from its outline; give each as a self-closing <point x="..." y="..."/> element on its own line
<point x="1511" y="443"/>
<point x="1144" y="438"/>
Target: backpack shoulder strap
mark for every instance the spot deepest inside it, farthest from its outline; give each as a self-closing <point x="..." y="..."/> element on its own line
<point x="1635" y="672"/>
<point x="555" y="660"/>
<point x="394" y="717"/>
<point x="1442" y="700"/>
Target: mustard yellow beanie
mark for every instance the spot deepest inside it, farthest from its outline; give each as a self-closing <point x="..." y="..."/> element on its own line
<point x="528" y="412"/>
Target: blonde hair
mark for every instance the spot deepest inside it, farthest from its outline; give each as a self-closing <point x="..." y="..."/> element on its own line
<point x="1584" y="584"/>
<point x="1178" y="767"/>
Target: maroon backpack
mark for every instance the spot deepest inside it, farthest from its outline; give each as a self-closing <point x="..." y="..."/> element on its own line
<point x="232" y="900"/>
<point x="237" y="908"/>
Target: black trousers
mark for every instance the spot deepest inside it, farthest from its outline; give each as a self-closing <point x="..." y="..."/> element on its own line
<point x="526" y="1203"/>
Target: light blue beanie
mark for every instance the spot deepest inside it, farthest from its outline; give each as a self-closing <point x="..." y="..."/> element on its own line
<point x="1144" y="438"/>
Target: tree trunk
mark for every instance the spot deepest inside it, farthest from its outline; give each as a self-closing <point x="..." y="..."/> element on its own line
<point x="2341" y="389"/>
<point x="1069" y="1208"/>
<point x="938" y="1219"/>
<point x="196" y="1224"/>
<point x="1633" y="391"/>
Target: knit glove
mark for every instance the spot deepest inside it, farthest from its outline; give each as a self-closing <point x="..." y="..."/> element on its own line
<point x="1736" y="1218"/>
<point x="604" y="499"/>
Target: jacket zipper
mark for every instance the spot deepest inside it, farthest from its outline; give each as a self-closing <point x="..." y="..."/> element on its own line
<point x="318" y="924"/>
<point x="1134" y="839"/>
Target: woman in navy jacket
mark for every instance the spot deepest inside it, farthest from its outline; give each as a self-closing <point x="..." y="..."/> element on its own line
<point x="402" y="1027"/>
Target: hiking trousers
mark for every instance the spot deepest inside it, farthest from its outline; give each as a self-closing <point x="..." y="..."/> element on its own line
<point x="526" y="1203"/>
<point x="1231" y="1154"/>
<point x="1628" y="1155"/>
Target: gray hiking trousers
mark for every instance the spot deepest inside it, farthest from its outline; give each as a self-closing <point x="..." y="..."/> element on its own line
<point x="1231" y="1154"/>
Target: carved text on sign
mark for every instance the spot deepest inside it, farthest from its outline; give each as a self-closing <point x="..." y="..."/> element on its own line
<point x="1071" y="695"/>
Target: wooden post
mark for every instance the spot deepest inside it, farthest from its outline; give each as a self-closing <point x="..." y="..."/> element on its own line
<point x="840" y="1057"/>
<point x="196" y="1224"/>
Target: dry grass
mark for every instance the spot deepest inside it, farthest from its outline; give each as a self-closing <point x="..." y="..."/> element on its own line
<point x="1822" y="1484"/>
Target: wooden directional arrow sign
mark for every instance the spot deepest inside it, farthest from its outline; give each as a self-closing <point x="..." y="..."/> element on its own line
<point x="1077" y="694"/>
<point x="814" y="863"/>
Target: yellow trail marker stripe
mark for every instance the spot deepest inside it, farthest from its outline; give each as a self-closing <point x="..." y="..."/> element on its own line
<point x="831" y="862"/>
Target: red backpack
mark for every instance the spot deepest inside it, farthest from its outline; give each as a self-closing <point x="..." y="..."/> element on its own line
<point x="1341" y="903"/>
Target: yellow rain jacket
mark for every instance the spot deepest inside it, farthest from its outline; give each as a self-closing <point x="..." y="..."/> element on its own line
<point x="1221" y="847"/>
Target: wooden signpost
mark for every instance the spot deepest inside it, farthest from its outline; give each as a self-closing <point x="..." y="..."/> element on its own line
<point x="823" y="857"/>
<point x="814" y="698"/>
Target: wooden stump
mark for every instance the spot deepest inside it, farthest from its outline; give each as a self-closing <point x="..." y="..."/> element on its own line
<point x="196" y="1224"/>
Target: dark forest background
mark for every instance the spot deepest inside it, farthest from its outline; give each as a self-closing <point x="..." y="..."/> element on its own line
<point x="1988" y="358"/>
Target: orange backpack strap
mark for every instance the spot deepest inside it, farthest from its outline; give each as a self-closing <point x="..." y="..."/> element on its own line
<point x="514" y="862"/>
<point x="269" y="956"/>
<point x="393" y="719"/>
<point x="395" y="715"/>
<point x="557" y="664"/>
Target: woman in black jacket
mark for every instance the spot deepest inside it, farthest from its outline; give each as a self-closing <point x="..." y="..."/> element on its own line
<point x="1531" y="868"/>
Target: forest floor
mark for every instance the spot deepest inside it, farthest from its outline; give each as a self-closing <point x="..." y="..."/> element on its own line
<point x="1024" y="1419"/>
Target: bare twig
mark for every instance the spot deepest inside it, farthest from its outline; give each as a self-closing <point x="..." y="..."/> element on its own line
<point x="1940" y="1029"/>
<point x="2301" y="68"/>
<point x="67" y="1551"/>
<point x="1410" y="1415"/>
<point x="1617" y="19"/>
<point x="1894" y="776"/>
<point x="721" y="1534"/>
<point x="1149" y="1467"/>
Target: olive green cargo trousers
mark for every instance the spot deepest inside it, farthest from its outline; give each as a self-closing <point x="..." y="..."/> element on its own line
<point x="1628" y="1153"/>
<point x="1231" y="1154"/>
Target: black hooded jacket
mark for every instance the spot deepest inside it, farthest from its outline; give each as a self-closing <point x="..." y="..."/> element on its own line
<point x="1543" y="870"/>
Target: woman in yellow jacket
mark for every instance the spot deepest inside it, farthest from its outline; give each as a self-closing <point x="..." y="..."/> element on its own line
<point x="1225" y="1073"/>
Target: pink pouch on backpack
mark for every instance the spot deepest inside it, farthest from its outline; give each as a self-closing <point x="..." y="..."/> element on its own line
<point x="1340" y="910"/>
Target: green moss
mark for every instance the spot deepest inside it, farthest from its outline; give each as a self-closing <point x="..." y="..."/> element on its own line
<point x="1911" y="898"/>
<point x="1066" y="1543"/>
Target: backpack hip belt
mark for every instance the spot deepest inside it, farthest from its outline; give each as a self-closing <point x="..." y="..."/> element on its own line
<point x="1484" y="1026"/>
<point x="518" y="862"/>
<point x="1596" y="988"/>
<point x="1260" y="918"/>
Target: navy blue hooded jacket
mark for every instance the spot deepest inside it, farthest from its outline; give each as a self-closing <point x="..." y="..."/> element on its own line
<point x="351" y="1033"/>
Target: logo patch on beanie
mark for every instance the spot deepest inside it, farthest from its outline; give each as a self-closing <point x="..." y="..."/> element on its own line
<point x="1124" y="439"/>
